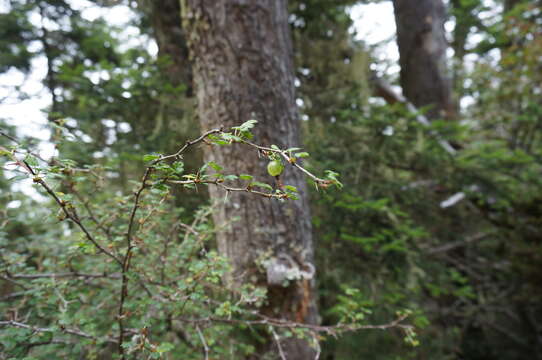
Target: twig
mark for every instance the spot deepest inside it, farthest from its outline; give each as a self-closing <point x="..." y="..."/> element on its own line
<point x="186" y="145"/>
<point x="66" y="207"/>
<point x="91" y="215"/>
<point x="384" y="90"/>
<point x="6" y="135"/>
<point x="280" y="323"/>
<point x="456" y="244"/>
<point x="219" y="183"/>
<point x="277" y="340"/>
<point x="63" y="275"/>
<point x="286" y="157"/>
<point x="126" y="261"/>
<point x="66" y="330"/>
<point x="9" y="279"/>
<point x="318" y="348"/>
<point x="202" y="338"/>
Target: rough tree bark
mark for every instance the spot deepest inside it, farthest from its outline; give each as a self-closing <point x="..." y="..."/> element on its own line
<point x="242" y="67"/>
<point x="422" y="49"/>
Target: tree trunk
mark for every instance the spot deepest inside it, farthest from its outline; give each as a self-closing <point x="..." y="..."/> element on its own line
<point x="165" y="16"/>
<point x="422" y="49"/>
<point x="242" y="67"/>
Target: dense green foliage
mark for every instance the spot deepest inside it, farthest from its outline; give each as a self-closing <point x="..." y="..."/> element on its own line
<point x="455" y="239"/>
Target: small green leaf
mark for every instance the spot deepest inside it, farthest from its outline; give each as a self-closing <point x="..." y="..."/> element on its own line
<point x="150" y="157"/>
<point x="164" y="347"/>
<point x="215" y="166"/>
<point x="290" y="188"/>
<point x="262" y="185"/>
<point x="246" y="126"/>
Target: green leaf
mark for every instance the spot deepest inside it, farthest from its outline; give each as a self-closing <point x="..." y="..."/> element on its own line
<point x="293" y="149"/>
<point x="246" y="126"/>
<point x="215" y="166"/>
<point x="262" y="185"/>
<point x="150" y="157"/>
<point x="31" y="160"/>
<point x="164" y="347"/>
<point x="178" y="167"/>
<point x="246" y="177"/>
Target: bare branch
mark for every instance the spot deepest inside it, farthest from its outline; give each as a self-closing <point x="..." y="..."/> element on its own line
<point x="281" y="323"/>
<point x="72" y="331"/>
<point x="277" y="340"/>
<point x="202" y="338"/>
<point x="384" y="90"/>
<point x="63" y="275"/>
<point x="188" y="144"/>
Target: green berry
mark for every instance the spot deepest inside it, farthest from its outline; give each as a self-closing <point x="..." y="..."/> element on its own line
<point x="275" y="168"/>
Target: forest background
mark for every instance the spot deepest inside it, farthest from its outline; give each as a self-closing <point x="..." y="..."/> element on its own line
<point x="430" y="232"/>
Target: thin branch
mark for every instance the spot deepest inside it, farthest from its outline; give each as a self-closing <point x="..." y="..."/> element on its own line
<point x="90" y="213"/>
<point x="318" y="348"/>
<point x="456" y="244"/>
<point x="128" y="255"/>
<point x="17" y="142"/>
<point x="202" y="338"/>
<point x="384" y="90"/>
<point x="9" y="279"/>
<point x="286" y="157"/>
<point x="277" y="340"/>
<point x="72" y="215"/>
<point x="126" y="261"/>
<point x="186" y="145"/>
<point x="219" y="183"/>
<point x="72" y="331"/>
<point x="63" y="275"/>
<point x="69" y="211"/>
<point x="13" y="295"/>
<point x="6" y="135"/>
<point x="280" y="323"/>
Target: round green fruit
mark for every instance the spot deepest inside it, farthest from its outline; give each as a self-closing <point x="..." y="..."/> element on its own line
<point x="275" y="168"/>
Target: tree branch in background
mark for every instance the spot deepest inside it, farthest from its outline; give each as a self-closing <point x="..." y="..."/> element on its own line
<point x="383" y="89"/>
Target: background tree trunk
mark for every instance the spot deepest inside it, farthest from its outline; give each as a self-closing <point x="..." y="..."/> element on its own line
<point x="242" y="67"/>
<point x="165" y="16"/>
<point x="422" y="48"/>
